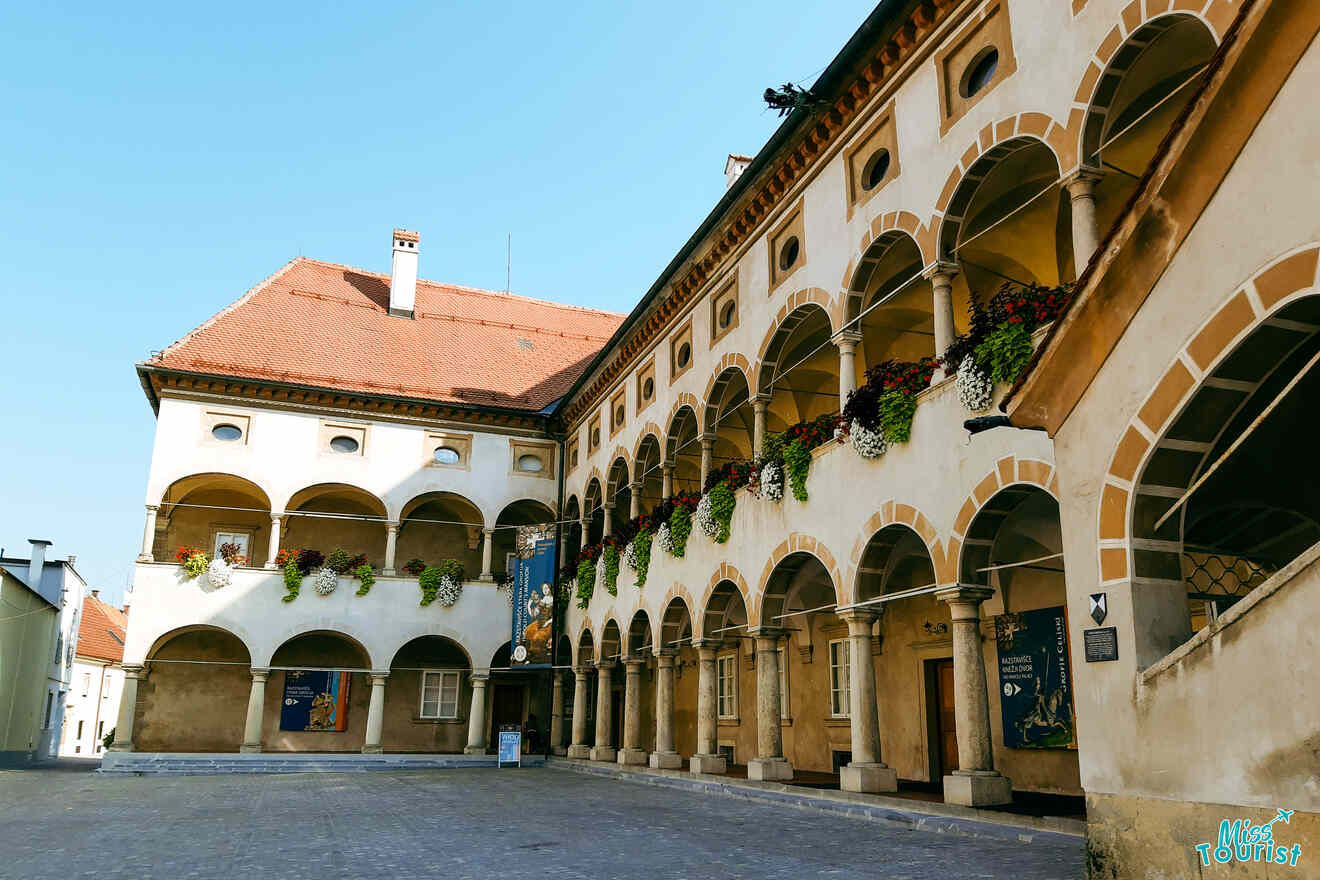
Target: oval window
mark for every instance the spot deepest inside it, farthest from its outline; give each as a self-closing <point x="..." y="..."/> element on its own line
<point x="227" y="433"/>
<point x="726" y="314"/>
<point x="595" y="437"/>
<point x="529" y="463"/>
<point x="684" y="355"/>
<point x="648" y="389"/>
<point x="980" y="71"/>
<point x="343" y="443"/>
<point x="788" y="254"/>
<point x="876" y="169"/>
<point x="618" y="417"/>
<point x="446" y="455"/>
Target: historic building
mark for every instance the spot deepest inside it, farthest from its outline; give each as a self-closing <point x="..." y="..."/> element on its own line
<point x="92" y="703"/>
<point x="1054" y="263"/>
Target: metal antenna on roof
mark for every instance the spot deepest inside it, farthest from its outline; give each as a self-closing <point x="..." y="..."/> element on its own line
<point x="508" y="260"/>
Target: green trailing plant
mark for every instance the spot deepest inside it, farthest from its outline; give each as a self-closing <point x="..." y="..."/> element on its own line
<point x="722" y="503"/>
<point x="366" y="577"/>
<point x="896" y="410"/>
<point x="1026" y="306"/>
<point x="611" y="555"/>
<point x="292" y="579"/>
<point x="641" y="544"/>
<point x="1005" y="352"/>
<point x="772" y="449"/>
<point x="734" y="474"/>
<point x="339" y="561"/>
<point x="797" y="464"/>
<point x="887" y="401"/>
<point x="680" y="527"/>
<point x="432" y="577"/>
<point x="586" y="581"/>
<point x="194" y="561"/>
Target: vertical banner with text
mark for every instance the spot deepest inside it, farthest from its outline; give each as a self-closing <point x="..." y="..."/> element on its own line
<point x="533" y="598"/>
<point x="1035" y="680"/>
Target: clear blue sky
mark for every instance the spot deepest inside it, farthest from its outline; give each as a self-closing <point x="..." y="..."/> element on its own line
<point x="158" y="160"/>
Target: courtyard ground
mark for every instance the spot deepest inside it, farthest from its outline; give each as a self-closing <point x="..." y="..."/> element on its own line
<point x="64" y="823"/>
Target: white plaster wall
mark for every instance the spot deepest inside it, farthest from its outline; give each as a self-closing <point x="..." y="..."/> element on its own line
<point x="99" y="704"/>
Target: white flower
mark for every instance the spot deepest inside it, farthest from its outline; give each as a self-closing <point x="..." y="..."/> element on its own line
<point x="706" y="518"/>
<point x="772" y="481"/>
<point x="219" y="573"/>
<point x="325" y="581"/>
<point x="448" y="591"/>
<point x="974" y="387"/>
<point x="665" y="539"/>
<point x="868" y="443"/>
<point x="600" y="568"/>
<point x="630" y="556"/>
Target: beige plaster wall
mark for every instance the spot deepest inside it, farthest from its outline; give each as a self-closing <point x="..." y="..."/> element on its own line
<point x="195" y="707"/>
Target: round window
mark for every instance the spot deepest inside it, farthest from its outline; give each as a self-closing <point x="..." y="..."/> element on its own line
<point x="529" y="463"/>
<point x="446" y="455"/>
<point x="727" y="312"/>
<point x="343" y="443"/>
<point x="618" y="417"/>
<point x="876" y="169"/>
<point x="980" y="71"/>
<point x="595" y="437"/>
<point x="227" y="433"/>
<point x="684" y="355"/>
<point x="648" y="389"/>
<point x="788" y="254"/>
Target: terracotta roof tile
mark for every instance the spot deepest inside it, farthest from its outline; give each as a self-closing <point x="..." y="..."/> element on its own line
<point x="101" y="631"/>
<point x="327" y="325"/>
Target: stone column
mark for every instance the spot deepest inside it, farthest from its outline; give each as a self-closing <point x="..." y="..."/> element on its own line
<point x="975" y="783"/>
<point x="940" y="276"/>
<point x="1085" y="229"/>
<point x="579" y="747"/>
<point x="866" y="772"/>
<point x="585" y="523"/>
<point x="664" y="757"/>
<point x="375" y="714"/>
<point x="707" y="457"/>
<point x="486" y="574"/>
<point x="632" y="751"/>
<point x="273" y="544"/>
<point x="769" y="764"/>
<point x="476" y="744"/>
<point x="391" y="547"/>
<point x="635" y="500"/>
<point x="846" y="341"/>
<point x="666" y="480"/>
<point x="127" y="709"/>
<point x="557" y="714"/>
<point x="760" y="403"/>
<point x="707" y="759"/>
<point x="607" y="526"/>
<point x="149" y="535"/>
<point x="602" y="750"/>
<point x="256" y="712"/>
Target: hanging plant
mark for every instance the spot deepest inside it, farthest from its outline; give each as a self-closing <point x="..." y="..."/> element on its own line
<point x="897" y="409"/>
<point x="324" y="581"/>
<point x="797" y="464"/>
<point x="229" y="552"/>
<point x="869" y="443"/>
<point x="629" y="556"/>
<point x="610" y="563"/>
<point x="292" y="578"/>
<point x="282" y="558"/>
<point x="414" y="567"/>
<point x="641" y="551"/>
<point x="1005" y="352"/>
<point x="218" y="574"/>
<point x="772" y="481"/>
<point x="974" y="386"/>
<point x="665" y="538"/>
<point x="586" y="580"/>
<point x="194" y="561"/>
<point x="310" y="561"/>
<point x="705" y="517"/>
<point x="441" y="583"/>
<point x="888" y="400"/>
<point x="366" y="577"/>
<point x="722" y="503"/>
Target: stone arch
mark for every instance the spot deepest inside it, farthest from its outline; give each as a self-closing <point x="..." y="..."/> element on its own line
<point x="648" y="470"/>
<point x="612" y="484"/>
<point x="722" y="574"/>
<point x="192" y="508"/>
<point x="897" y="513"/>
<point x="682" y="446"/>
<point x="797" y="309"/>
<point x="358" y="638"/>
<point x="799" y="543"/>
<point x="652" y="430"/>
<point x="1017" y="524"/>
<point x="611" y="638"/>
<point x="186" y="483"/>
<point x="420" y="631"/>
<point x="686" y="400"/>
<point x="197" y="671"/>
<point x="668" y="624"/>
<point x="641" y="634"/>
<point x="1008" y="471"/>
<point x="229" y="628"/>
<point x="365" y="496"/>
<point x="584" y="645"/>
<point x="860" y="272"/>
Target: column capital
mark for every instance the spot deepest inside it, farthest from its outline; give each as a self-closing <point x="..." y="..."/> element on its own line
<point x="965" y="599"/>
<point x="664" y="658"/>
<point x="866" y="614"/>
<point x="153" y="507"/>
<point x="946" y="268"/>
<point x="666" y="466"/>
<point x="607" y="505"/>
<point x="707" y="439"/>
<point x="380" y="673"/>
<point x="487" y="531"/>
<point x="392" y="524"/>
<point x="766" y="632"/>
<point x="760" y="399"/>
<point x="582" y="671"/>
<point x="481" y="677"/>
<point x="133" y="670"/>
<point x="1082" y="179"/>
<point x="847" y="338"/>
<point x="634" y="664"/>
<point x="260" y="673"/>
<point x="603" y="665"/>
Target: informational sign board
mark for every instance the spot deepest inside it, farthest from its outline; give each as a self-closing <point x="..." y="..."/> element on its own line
<point x="1035" y="681"/>
<point x="1100" y="644"/>
<point x="315" y="700"/>
<point x="533" y="603"/>
<point x="510" y="751"/>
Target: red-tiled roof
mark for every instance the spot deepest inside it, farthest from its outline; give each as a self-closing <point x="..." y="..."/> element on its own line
<point x="327" y="325"/>
<point x="101" y="631"/>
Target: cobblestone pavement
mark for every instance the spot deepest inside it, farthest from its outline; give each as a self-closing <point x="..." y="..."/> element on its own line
<point x="460" y="824"/>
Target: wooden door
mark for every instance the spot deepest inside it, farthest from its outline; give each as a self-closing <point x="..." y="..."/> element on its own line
<point x="506" y="708"/>
<point x="947" y="746"/>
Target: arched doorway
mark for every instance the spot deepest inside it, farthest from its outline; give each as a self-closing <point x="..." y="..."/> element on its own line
<point x="676" y="637"/>
<point x="305" y="660"/>
<point x="194" y="698"/>
<point x="428" y="697"/>
<point x="724" y="621"/>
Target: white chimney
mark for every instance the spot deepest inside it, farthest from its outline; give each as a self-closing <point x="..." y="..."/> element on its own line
<point x="403" y="273"/>
<point x="734" y="168"/>
<point x="37" y="563"/>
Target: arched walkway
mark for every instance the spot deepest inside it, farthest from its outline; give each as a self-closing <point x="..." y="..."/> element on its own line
<point x="196" y="672"/>
<point x="441" y="525"/>
<point x="798" y="370"/>
<point x="330" y="516"/>
<point x="427" y="697"/>
<point x="206" y="510"/>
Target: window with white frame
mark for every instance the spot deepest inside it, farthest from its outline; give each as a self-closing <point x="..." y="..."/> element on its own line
<point x="839" y="678"/>
<point x="87" y="683"/>
<point x="785" y="705"/>
<point x="440" y="693"/>
<point x="727" y="678"/>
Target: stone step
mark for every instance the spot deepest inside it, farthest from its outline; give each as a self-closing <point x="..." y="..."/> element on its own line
<point x="200" y="765"/>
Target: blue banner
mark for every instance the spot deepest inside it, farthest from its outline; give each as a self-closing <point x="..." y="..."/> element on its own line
<point x="316" y="700"/>
<point x="510" y="747"/>
<point x="1035" y="682"/>
<point x="534" y="606"/>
